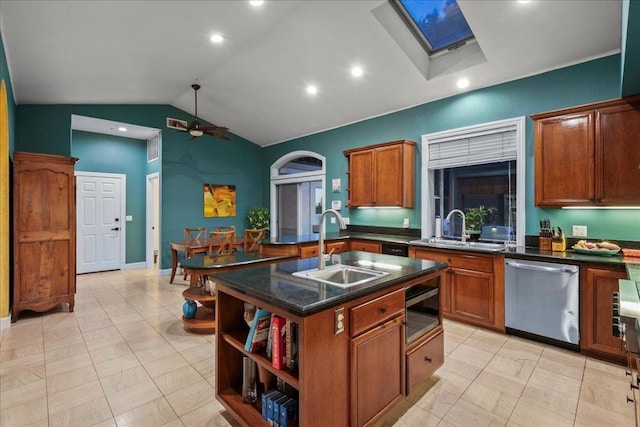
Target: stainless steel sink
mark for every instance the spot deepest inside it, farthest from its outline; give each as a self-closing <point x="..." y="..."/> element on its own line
<point x="457" y="244"/>
<point x="341" y="275"/>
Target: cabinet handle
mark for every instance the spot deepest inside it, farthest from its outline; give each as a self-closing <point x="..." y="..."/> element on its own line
<point x="627" y="373"/>
<point x="632" y="386"/>
<point x="629" y="400"/>
<point x="428" y="359"/>
<point x="383" y="309"/>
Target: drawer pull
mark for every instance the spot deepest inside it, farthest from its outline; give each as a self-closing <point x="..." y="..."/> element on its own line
<point x="428" y="359"/>
<point x="629" y="400"/>
<point x="383" y="309"/>
<point x="632" y="386"/>
<point x="627" y="373"/>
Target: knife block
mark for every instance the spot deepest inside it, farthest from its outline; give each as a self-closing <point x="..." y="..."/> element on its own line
<point x="544" y="243"/>
<point x="559" y="244"/>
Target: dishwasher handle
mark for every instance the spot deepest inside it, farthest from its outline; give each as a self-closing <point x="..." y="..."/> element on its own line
<point x="572" y="269"/>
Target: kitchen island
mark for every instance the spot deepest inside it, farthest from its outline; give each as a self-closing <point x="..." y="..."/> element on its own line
<point x="353" y="362"/>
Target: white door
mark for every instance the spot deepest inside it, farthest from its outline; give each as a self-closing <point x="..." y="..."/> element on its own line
<point x="100" y="223"/>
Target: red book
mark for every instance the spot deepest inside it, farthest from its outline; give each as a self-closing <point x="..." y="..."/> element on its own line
<point x="277" y="343"/>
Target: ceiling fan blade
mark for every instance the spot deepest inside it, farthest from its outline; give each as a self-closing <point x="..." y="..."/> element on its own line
<point x="217" y="135"/>
<point x="214" y="128"/>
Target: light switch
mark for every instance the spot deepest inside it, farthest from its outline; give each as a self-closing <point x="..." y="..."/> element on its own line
<point x="128" y="218"/>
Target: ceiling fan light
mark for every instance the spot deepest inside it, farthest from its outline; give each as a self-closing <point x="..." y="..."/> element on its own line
<point x="195" y="132"/>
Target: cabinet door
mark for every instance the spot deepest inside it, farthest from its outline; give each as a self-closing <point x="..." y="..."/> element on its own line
<point x="564" y="160"/>
<point x="376" y="371"/>
<point x="618" y="155"/>
<point x="308" y="251"/>
<point x="337" y="247"/>
<point x="387" y="176"/>
<point x="360" y="178"/>
<point x="472" y="296"/>
<point x="598" y="286"/>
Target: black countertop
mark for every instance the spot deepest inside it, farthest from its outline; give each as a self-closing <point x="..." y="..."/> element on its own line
<point x="569" y="256"/>
<point x="275" y="284"/>
<point x="313" y="238"/>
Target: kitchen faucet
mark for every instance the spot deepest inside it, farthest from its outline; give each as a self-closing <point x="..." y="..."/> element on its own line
<point x="463" y="236"/>
<point x="342" y="226"/>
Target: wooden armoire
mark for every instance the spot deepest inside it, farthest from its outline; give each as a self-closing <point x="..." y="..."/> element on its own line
<point x="44" y="232"/>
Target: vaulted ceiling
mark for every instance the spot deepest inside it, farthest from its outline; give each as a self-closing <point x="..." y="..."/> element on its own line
<point x="150" y="52"/>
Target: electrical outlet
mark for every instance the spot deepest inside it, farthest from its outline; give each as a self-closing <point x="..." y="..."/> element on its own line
<point x="346" y="220"/>
<point x="339" y="320"/>
<point x="579" y="231"/>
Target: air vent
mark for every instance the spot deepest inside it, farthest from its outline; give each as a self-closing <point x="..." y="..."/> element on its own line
<point x="153" y="145"/>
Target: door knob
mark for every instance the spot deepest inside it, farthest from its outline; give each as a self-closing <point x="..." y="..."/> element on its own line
<point x="115" y="229"/>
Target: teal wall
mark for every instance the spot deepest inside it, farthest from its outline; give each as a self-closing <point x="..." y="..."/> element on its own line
<point x="113" y="154"/>
<point x="580" y="84"/>
<point x="185" y="165"/>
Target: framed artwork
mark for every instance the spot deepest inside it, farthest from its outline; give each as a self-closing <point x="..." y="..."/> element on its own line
<point x="219" y="200"/>
<point x="176" y="124"/>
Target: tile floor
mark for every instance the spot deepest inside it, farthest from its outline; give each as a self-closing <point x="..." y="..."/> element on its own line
<point x="123" y="358"/>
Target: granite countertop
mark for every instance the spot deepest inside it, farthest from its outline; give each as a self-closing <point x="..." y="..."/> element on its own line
<point x="313" y="238"/>
<point x="302" y="297"/>
<point x="569" y="255"/>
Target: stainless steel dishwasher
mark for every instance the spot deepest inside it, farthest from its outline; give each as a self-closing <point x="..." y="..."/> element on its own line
<point x="542" y="301"/>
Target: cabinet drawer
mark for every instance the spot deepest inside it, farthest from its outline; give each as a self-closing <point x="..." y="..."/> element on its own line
<point x="337" y="247"/>
<point x="309" y="251"/>
<point x="377" y="311"/>
<point x="424" y="360"/>
<point x="471" y="262"/>
<point x="357" y="245"/>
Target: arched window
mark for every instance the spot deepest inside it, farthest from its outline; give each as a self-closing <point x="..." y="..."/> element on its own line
<point x="297" y="193"/>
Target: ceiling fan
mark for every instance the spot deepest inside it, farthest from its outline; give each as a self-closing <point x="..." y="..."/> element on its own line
<point x="196" y="128"/>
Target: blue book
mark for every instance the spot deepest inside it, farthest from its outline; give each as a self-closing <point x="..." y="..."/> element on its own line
<point x="275" y="415"/>
<point x="287" y="412"/>
<point x="270" y="400"/>
<point x="265" y="399"/>
<point x="258" y="331"/>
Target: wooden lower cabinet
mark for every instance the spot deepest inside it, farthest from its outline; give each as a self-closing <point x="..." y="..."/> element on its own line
<point x="337" y="247"/>
<point x="473" y="286"/>
<point x="597" y="285"/>
<point x="309" y="251"/>
<point x="423" y="358"/>
<point x="376" y="372"/>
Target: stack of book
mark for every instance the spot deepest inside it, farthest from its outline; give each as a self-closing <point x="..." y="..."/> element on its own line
<point x="279" y="409"/>
<point x="275" y="335"/>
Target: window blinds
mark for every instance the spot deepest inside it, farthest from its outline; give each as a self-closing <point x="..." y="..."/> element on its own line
<point x="472" y="148"/>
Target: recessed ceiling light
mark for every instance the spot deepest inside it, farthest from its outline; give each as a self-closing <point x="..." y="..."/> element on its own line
<point x="524" y="1"/>
<point x="122" y="129"/>
<point x="312" y="90"/>
<point x="217" y="38"/>
<point x="256" y="3"/>
<point x="462" y="83"/>
<point x="356" y="71"/>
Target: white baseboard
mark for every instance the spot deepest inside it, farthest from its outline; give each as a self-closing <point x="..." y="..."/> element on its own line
<point x="135" y="266"/>
<point x="165" y="272"/>
<point x="5" y="322"/>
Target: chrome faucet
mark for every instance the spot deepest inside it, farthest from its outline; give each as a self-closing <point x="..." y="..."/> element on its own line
<point x="342" y="226"/>
<point x="463" y="236"/>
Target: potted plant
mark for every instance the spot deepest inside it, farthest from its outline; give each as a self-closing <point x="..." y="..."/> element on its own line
<point x="258" y="217"/>
<point x="475" y="219"/>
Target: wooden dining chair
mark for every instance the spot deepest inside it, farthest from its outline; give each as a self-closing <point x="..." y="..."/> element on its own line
<point x="225" y="228"/>
<point x="194" y="236"/>
<point x="221" y="242"/>
<point x="252" y="238"/>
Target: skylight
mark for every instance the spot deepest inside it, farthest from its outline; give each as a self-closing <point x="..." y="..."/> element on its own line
<point x="438" y="24"/>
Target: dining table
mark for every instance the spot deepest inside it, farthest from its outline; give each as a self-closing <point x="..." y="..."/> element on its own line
<point x="190" y="249"/>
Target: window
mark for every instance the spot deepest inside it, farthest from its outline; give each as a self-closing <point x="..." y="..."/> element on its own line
<point x="480" y="171"/>
<point x="297" y="189"/>
<point x="438" y="24"/>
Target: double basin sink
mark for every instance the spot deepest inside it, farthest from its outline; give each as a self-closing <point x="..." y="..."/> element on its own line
<point x="457" y="244"/>
<point x="342" y="275"/>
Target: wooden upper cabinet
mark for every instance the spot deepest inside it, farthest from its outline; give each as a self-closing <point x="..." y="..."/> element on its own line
<point x="589" y="155"/>
<point x="382" y="174"/>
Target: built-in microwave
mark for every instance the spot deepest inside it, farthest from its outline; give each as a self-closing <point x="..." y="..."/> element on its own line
<point x="422" y="305"/>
